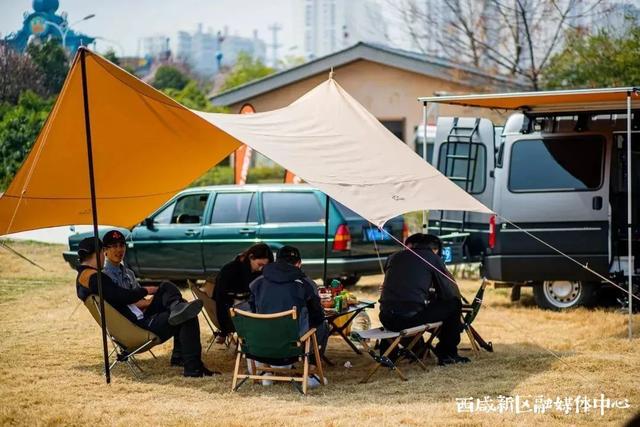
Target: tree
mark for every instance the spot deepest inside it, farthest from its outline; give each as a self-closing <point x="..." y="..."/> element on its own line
<point x="52" y="61"/>
<point x="511" y="37"/>
<point x="245" y="70"/>
<point x="110" y="55"/>
<point x="600" y="60"/>
<point x="19" y="127"/>
<point x="18" y="73"/>
<point x="168" y="77"/>
<point x="192" y="97"/>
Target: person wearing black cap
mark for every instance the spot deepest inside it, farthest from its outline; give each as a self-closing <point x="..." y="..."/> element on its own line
<point x="284" y="285"/>
<point x="166" y="315"/>
<point x="415" y="292"/>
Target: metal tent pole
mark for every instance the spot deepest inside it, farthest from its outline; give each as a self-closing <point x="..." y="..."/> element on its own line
<point x="629" y="217"/>
<point x="326" y="240"/>
<point x="94" y="210"/>
<point x="424" y="155"/>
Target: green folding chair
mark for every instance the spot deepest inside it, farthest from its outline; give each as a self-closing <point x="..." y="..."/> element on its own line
<point x="273" y="339"/>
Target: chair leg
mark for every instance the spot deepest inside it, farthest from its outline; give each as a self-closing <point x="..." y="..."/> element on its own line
<point x="409" y="349"/>
<point x="474" y="344"/>
<point x="235" y="372"/>
<point x="154" y="356"/>
<point x="434" y="334"/>
<point x="378" y="364"/>
<point x="316" y="353"/>
<point x="305" y="371"/>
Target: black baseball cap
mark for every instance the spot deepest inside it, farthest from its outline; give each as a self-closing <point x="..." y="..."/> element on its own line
<point x="113" y="237"/>
<point x="88" y="246"/>
<point x="288" y="254"/>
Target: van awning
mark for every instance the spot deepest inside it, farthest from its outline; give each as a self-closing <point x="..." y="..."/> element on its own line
<point x="600" y="100"/>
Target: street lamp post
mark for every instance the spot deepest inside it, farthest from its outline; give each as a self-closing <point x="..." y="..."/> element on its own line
<point x="64" y="28"/>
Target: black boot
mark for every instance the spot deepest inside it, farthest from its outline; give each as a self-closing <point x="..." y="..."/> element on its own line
<point x="183" y="311"/>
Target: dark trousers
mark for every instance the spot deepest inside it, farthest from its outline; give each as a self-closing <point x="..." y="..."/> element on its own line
<point x="448" y="312"/>
<point x="186" y="336"/>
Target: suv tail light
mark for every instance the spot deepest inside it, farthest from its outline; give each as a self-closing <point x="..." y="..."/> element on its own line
<point x="492" y="231"/>
<point x="405" y="231"/>
<point x="342" y="239"/>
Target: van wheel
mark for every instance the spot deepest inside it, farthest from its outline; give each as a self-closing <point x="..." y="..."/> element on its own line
<point x="564" y="294"/>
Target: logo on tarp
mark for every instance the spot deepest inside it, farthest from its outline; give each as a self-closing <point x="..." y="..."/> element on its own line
<point x="397" y="198"/>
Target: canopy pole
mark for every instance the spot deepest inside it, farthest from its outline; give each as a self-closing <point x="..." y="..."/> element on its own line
<point x="94" y="211"/>
<point x="424" y="156"/>
<point x="629" y="217"/>
<point x="326" y="240"/>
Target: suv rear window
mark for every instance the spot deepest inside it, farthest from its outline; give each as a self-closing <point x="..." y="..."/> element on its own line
<point x="291" y="207"/>
<point x="556" y="164"/>
<point x="234" y="208"/>
<point x="459" y="160"/>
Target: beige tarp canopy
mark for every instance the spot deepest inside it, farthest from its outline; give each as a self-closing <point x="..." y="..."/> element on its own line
<point x="146" y="147"/>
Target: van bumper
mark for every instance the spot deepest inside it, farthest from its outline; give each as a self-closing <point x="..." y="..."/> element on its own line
<point x="523" y="268"/>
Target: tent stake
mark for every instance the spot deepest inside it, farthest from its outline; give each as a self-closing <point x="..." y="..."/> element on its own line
<point x="326" y="240"/>
<point x="94" y="210"/>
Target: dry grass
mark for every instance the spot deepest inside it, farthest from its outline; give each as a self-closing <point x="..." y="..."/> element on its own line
<point x="50" y="368"/>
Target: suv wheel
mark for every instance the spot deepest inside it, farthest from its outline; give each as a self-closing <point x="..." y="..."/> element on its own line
<point x="564" y="294"/>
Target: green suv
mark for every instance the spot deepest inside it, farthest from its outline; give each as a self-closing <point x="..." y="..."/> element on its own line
<point x="200" y="229"/>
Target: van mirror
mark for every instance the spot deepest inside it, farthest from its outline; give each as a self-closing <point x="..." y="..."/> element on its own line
<point x="148" y="222"/>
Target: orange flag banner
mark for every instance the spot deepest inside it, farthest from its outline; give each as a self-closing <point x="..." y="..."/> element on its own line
<point x="242" y="156"/>
<point x="291" y="178"/>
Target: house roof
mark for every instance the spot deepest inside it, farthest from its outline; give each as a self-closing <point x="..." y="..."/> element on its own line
<point x="397" y="58"/>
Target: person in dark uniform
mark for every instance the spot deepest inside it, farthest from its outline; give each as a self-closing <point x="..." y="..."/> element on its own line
<point x="232" y="283"/>
<point x="415" y="293"/>
<point x="167" y="314"/>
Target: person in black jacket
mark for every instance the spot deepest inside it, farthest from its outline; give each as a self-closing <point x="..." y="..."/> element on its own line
<point x="284" y="285"/>
<point x="232" y="283"/>
<point x="166" y="315"/>
<point x="415" y="292"/>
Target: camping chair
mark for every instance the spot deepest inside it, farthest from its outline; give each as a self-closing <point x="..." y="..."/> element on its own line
<point x="469" y="312"/>
<point x="273" y="339"/>
<point x="406" y="352"/>
<point x="210" y="314"/>
<point x="128" y="339"/>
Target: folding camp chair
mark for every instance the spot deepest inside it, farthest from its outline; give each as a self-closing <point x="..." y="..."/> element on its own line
<point x="210" y="314"/>
<point x="273" y="339"/>
<point x="406" y="352"/>
<point x="469" y="312"/>
<point x="128" y="339"/>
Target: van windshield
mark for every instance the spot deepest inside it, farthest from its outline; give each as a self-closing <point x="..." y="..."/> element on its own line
<point x="556" y="164"/>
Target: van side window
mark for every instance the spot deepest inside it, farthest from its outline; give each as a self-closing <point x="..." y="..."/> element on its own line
<point x="556" y="164"/>
<point x="291" y="207"/>
<point x="454" y="162"/>
<point x="233" y="208"/>
<point x="189" y="209"/>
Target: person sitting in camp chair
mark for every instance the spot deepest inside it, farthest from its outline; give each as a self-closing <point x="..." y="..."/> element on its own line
<point x="282" y="286"/>
<point x="166" y="314"/>
<point x="415" y="292"/>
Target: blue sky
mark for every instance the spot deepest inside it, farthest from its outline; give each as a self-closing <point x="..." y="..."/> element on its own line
<point x="125" y="21"/>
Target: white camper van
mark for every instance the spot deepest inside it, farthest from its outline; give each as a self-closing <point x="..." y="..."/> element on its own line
<point x="559" y="171"/>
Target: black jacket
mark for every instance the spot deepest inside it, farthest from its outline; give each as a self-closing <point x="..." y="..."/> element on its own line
<point x="408" y="281"/>
<point x="118" y="297"/>
<point x="231" y="283"/>
<point x="283" y="286"/>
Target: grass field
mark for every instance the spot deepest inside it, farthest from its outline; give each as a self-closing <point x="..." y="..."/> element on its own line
<point x="50" y="368"/>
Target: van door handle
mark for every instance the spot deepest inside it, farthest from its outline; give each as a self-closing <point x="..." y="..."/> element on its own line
<point x="596" y="203"/>
<point x="247" y="231"/>
<point x="191" y="232"/>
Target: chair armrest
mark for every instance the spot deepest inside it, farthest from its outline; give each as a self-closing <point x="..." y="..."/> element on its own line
<point x="307" y="335"/>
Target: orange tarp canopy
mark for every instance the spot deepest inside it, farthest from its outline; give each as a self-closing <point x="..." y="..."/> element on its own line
<point x="609" y="99"/>
<point x="146" y="147"/>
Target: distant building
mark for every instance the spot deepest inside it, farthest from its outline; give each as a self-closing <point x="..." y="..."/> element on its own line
<point x="206" y="52"/>
<point x="43" y="24"/>
<point x="326" y="26"/>
<point x="155" y="47"/>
